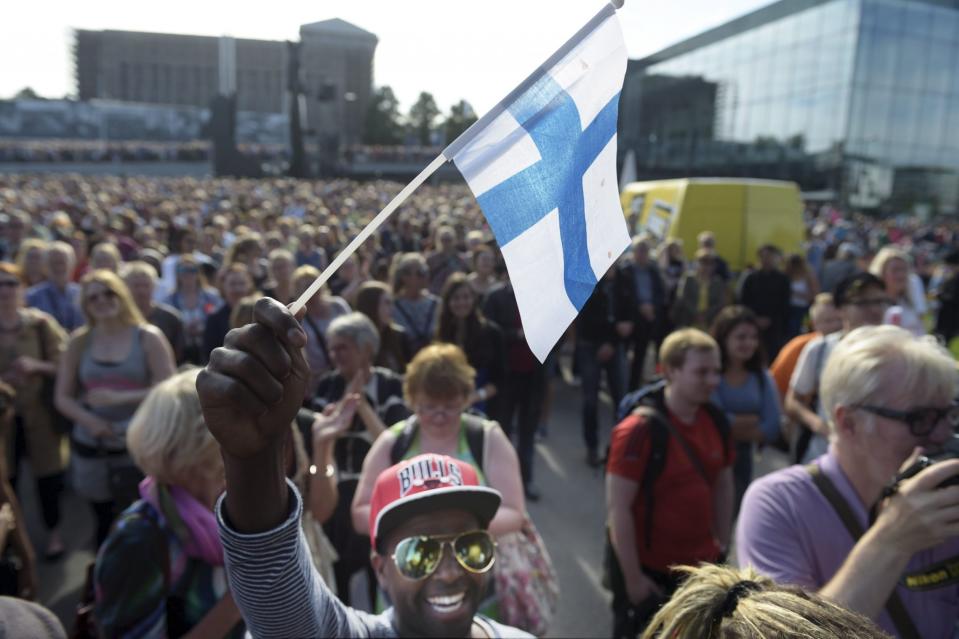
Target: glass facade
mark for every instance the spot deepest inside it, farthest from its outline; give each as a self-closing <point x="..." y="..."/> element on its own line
<point x="829" y="94"/>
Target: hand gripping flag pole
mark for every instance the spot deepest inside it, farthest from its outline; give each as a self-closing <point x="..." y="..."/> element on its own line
<point x="541" y="164"/>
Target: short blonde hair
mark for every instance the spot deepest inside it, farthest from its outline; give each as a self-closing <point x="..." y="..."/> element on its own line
<point x="873" y="363"/>
<point x="440" y="371"/>
<point x="108" y="249"/>
<point x="167" y="435"/>
<point x="721" y="602"/>
<point x="303" y="276"/>
<point x="138" y="267"/>
<point x="672" y="352"/>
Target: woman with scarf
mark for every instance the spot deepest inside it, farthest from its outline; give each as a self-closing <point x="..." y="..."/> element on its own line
<point x="160" y="572"/>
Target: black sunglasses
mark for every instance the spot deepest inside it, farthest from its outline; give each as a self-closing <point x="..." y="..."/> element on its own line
<point x="9" y="283"/>
<point x="96" y="297"/>
<point x="418" y="557"/>
<point x="921" y="421"/>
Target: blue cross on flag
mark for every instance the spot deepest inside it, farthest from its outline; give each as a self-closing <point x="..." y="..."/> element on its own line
<point x="542" y="165"/>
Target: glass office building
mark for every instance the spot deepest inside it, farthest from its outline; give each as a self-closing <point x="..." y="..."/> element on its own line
<point x="857" y="100"/>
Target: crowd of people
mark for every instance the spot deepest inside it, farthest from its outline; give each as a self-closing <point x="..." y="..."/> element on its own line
<point x="398" y="414"/>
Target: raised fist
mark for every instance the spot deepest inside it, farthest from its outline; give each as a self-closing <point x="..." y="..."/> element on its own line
<point x="254" y="385"/>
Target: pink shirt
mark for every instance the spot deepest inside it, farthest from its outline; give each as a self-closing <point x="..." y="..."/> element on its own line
<point x="789" y="532"/>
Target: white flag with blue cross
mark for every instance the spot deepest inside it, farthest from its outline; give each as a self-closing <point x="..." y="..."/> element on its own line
<point x="542" y="165"/>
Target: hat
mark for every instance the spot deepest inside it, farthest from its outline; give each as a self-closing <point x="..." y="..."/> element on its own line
<point x="425" y="484"/>
<point x="852" y="286"/>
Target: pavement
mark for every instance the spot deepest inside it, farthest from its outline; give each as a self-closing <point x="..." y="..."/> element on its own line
<point x="570" y="517"/>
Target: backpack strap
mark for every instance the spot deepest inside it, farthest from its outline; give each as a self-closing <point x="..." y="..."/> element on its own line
<point x="404" y="441"/>
<point x="475" y="428"/>
<point x="721" y="422"/>
<point x="476" y="440"/>
<point x="894" y="606"/>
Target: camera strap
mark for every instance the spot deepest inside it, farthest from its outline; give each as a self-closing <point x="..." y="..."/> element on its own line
<point x="939" y="575"/>
<point x="905" y="628"/>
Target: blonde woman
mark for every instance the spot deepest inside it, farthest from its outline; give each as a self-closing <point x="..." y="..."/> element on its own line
<point x="108" y="368"/>
<point x="894" y="268"/>
<point x="31" y="262"/>
<point x="178" y="587"/>
<point x="719" y="602"/>
<point x="105" y="256"/>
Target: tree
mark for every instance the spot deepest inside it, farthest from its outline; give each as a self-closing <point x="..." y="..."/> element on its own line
<point x="26" y="93"/>
<point x="461" y="117"/>
<point x="422" y="117"/>
<point x="383" y="124"/>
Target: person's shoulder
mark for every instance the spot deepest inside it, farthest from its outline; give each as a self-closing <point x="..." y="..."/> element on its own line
<point x="164" y="309"/>
<point x="387" y="375"/>
<point x="499" y="630"/>
<point x="779" y="488"/>
<point x="136" y="534"/>
<point x="36" y="290"/>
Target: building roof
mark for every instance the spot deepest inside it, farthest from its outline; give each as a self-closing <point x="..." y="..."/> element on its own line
<point x="752" y="20"/>
<point x="338" y="27"/>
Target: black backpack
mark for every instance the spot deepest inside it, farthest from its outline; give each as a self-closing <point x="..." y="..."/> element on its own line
<point x="475" y="438"/>
<point x="652" y="399"/>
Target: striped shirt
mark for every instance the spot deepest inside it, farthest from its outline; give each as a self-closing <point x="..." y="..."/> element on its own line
<point x="280" y="593"/>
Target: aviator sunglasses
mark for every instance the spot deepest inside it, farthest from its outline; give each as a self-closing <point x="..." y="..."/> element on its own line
<point x="418" y="557"/>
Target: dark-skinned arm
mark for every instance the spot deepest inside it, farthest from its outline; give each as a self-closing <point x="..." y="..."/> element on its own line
<point x="250" y="393"/>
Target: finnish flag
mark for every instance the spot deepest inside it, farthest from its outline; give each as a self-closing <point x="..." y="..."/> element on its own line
<point x="542" y="165"/>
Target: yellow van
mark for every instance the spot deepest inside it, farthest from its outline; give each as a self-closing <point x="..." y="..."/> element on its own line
<point x="743" y="214"/>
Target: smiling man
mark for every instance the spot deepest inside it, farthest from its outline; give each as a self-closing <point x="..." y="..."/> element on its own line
<point x="428" y="515"/>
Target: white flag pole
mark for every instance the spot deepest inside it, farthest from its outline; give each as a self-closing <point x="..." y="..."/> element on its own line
<point x="447" y="155"/>
<point x="365" y="233"/>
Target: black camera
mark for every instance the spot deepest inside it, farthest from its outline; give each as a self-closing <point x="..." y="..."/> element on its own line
<point x="949" y="450"/>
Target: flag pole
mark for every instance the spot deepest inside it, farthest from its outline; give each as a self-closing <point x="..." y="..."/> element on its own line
<point x="447" y="154"/>
<point x="363" y="235"/>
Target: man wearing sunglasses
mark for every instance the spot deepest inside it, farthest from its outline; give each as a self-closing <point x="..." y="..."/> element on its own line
<point x="838" y="525"/>
<point x="428" y="515"/>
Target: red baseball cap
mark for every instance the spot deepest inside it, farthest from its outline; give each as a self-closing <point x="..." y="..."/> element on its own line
<point x="424" y="484"/>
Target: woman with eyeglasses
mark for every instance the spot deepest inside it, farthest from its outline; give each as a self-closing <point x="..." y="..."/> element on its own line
<point x="31" y="342"/>
<point x="438" y="386"/>
<point x="374" y="396"/>
<point x="196" y="301"/>
<point x="108" y="368"/>
<point x="414" y="307"/>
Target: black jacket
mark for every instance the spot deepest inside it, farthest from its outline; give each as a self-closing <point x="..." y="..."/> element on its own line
<point x="627" y="274"/>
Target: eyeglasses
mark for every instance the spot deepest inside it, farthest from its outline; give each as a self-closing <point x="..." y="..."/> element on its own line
<point x="189" y="270"/>
<point x="418" y="557"/>
<point x="880" y="302"/>
<point x="106" y="295"/>
<point x="921" y="421"/>
<point x="9" y="283"/>
<point x="436" y="411"/>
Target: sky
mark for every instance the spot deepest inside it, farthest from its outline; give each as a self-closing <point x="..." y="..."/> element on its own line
<point x="475" y="50"/>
